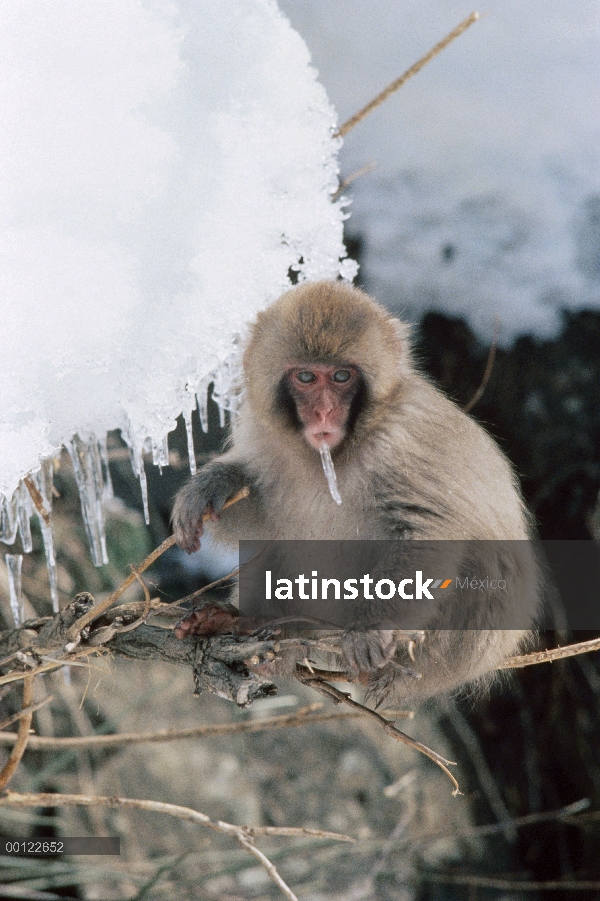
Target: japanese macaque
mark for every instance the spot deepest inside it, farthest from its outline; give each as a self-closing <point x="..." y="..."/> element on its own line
<point x="326" y="367"/>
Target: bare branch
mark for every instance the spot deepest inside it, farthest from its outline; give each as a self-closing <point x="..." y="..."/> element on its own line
<point x="147" y="606"/>
<point x="244" y="835"/>
<point x="399" y="82"/>
<point x="17" y="752"/>
<point x="91" y="615"/>
<point x="17" y="716"/>
<point x="569" y="814"/>
<point x="488" y="369"/>
<point x="330" y="691"/>
<point x="505" y="883"/>
<point x="51" y="664"/>
<point x="300" y="832"/>
<point x="302" y="717"/>
<point x="348" y="181"/>
<point x="209" y="587"/>
<point x="548" y="656"/>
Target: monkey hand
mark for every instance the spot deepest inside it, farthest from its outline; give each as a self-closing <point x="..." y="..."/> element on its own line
<point x="203" y="497"/>
<point x="366" y="652"/>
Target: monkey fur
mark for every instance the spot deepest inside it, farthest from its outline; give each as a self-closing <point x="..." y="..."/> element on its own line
<point x="410" y="465"/>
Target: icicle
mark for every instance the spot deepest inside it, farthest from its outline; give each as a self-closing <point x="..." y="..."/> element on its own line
<point x="160" y="452"/>
<point x="228" y="384"/>
<point x="141" y="474"/>
<point x="202" y="398"/>
<point x="220" y="392"/>
<point x="50" y="563"/>
<point x="87" y="465"/>
<point x="329" y="471"/>
<point x="24" y="512"/>
<point x="108" y="485"/>
<point x="136" y="458"/>
<point x="44" y="480"/>
<point x="8" y="519"/>
<point x="187" y="415"/>
<point x="14" y="562"/>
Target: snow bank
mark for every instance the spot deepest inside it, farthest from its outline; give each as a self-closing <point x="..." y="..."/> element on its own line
<point x="164" y="164"/>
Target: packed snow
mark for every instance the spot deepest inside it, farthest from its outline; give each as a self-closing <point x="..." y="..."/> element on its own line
<point x="164" y="166"/>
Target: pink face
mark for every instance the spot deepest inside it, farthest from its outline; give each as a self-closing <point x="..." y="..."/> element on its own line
<point x="323" y="396"/>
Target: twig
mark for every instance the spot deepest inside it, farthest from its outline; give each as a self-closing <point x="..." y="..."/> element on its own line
<point x="147" y="606"/>
<point x="75" y="630"/>
<point x="399" y="82"/>
<point x="300" y="832"/>
<point x="488" y="369"/>
<point x="242" y="834"/>
<point x="513" y="885"/>
<point x="17" y="716"/>
<point x="38" y="500"/>
<point x="17" y="752"/>
<point x="348" y="181"/>
<point x="491" y="792"/>
<point x="569" y="814"/>
<point x="569" y="650"/>
<point x="302" y="717"/>
<point x="332" y="692"/>
<point x="205" y="588"/>
<point x="365" y="889"/>
<point x="51" y="664"/>
<point x="264" y="861"/>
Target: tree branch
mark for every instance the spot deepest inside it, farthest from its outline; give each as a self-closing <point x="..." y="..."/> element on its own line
<point x="244" y="835"/>
<point x="17" y="752"/>
<point x="399" y="82"/>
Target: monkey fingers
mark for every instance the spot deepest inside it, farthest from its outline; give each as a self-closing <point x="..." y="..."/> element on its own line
<point x="366" y="652"/>
<point x="205" y="494"/>
<point x="207" y="619"/>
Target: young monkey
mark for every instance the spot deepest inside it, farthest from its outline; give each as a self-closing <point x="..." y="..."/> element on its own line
<point x="325" y="365"/>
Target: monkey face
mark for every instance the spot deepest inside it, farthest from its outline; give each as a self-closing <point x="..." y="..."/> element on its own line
<point x="323" y="396"/>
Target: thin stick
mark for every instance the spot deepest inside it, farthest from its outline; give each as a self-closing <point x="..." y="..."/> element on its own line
<point x="17" y="716"/>
<point x="488" y="368"/>
<point x="327" y="689"/>
<point x="399" y="82"/>
<point x="348" y="181"/>
<point x="570" y="650"/>
<point x="299" y="832"/>
<point x="568" y="813"/>
<point x="514" y="885"/>
<point x="303" y="717"/>
<point x="52" y="664"/>
<point x="147" y="606"/>
<point x="205" y="588"/>
<point x="242" y="834"/>
<point x="17" y="752"/>
<point x="38" y="500"/>
<point x="75" y="630"/>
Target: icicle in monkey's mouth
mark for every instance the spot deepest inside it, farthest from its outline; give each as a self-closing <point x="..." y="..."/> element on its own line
<point x="329" y="470"/>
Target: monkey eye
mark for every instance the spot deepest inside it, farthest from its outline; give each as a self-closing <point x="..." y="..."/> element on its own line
<point x="306" y="376"/>
<point x="342" y="375"/>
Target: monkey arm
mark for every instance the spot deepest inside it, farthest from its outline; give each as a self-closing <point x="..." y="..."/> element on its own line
<point x="206" y="492"/>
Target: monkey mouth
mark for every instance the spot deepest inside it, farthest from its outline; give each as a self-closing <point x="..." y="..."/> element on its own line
<point x="330" y="438"/>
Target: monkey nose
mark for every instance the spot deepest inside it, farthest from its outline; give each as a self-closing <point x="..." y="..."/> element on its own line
<point x="323" y="413"/>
